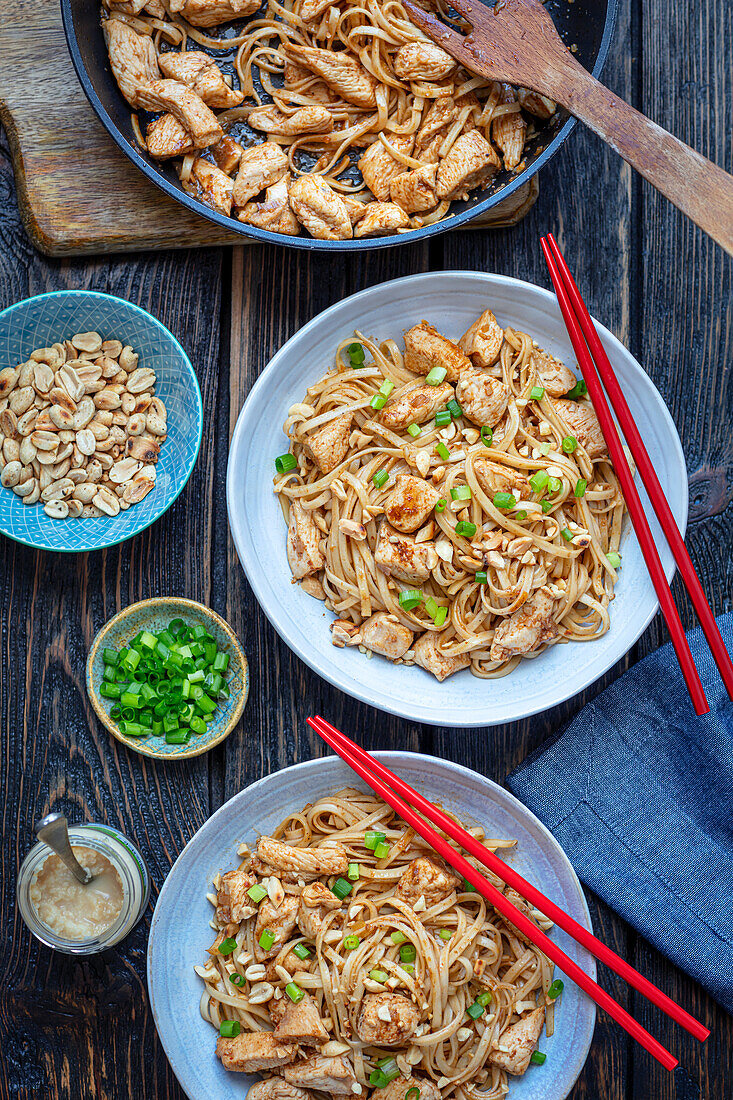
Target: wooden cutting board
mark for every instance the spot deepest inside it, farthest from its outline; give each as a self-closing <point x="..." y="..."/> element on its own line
<point x="77" y="193"/>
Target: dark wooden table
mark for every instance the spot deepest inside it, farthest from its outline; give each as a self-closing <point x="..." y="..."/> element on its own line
<point x="83" y="1030"/>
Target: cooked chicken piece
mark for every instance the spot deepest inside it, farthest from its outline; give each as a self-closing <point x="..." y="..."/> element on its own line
<point x="341" y="72"/>
<point x="320" y="209"/>
<point x="328" y="444"/>
<point x="399" y="556"/>
<point x="483" y="399"/>
<point x="303" y="545"/>
<point x="210" y="185"/>
<point x="127" y="7"/>
<point x="252" y="1052"/>
<point x="233" y="903"/>
<point x="289" y="961"/>
<point x="410" y="503"/>
<point x="196" y="70"/>
<point x="334" y="1075"/>
<point x="189" y="108"/>
<point x="580" y="419"/>
<point x="427" y="877"/>
<point x="429" y="654"/>
<point x="426" y="348"/>
<point x="470" y="163"/>
<point x="399" y="1088"/>
<point x="308" y="120"/>
<point x="278" y="919"/>
<point x="156" y="8"/>
<point x="381" y="219"/>
<point x="310" y="9"/>
<point x="494" y="479"/>
<point x="165" y="138"/>
<point x="277" y="1088"/>
<point x="330" y="859"/>
<point x="423" y="61"/>
<point x="482" y="342"/>
<point x="227" y="153"/>
<point x="416" y="406"/>
<point x="438" y="118"/>
<point x="514" y="1047"/>
<point x="274" y="212"/>
<point x="385" y="634"/>
<point x="316" y="901"/>
<point x="554" y="375"/>
<point x="509" y="130"/>
<point x="259" y="167"/>
<point x="355" y="208"/>
<point x="415" y="191"/>
<point x="207" y="13"/>
<point x="378" y="167"/>
<point x="301" y="1023"/>
<point x="132" y="59"/>
<point x="387" y="1019"/>
<point x="541" y="106"/>
<point x="526" y="629"/>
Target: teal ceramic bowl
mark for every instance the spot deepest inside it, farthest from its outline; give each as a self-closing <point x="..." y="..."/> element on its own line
<point x="39" y="322"/>
<point x="154" y="615"/>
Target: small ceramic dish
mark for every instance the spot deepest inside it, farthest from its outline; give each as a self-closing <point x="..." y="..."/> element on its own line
<point x="39" y="322"/>
<point x="154" y="615"/>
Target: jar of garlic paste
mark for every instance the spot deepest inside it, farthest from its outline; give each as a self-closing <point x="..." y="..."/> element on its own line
<point x="77" y="919"/>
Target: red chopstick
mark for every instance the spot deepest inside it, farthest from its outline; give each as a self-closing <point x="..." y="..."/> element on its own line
<point x="515" y="880"/>
<point x="647" y="472"/>
<point x="631" y="494"/>
<point x="496" y="898"/>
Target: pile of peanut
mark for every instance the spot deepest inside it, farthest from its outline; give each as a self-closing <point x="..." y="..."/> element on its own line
<point x="80" y="428"/>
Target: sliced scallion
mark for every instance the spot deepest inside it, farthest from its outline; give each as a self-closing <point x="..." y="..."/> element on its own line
<point x="435" y="376"/>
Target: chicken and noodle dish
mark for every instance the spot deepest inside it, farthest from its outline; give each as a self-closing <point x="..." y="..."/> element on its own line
<point x="322" y="117"/>
<point x="452" y="503"/>
<point x="349" y="960"/>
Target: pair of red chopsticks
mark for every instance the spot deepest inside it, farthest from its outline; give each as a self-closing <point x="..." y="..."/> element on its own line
<point x="394" y="791"/>
<point x="593" y="363"/>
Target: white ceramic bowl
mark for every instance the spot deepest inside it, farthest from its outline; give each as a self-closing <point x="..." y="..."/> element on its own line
<point x="180" y="931"/>
<point x="451" y="301"/>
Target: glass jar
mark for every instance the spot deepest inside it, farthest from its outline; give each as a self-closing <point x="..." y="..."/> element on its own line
<point x="127" y="862"/>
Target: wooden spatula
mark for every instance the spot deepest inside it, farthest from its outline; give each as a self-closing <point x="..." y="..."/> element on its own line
<point x="516" y="42"/>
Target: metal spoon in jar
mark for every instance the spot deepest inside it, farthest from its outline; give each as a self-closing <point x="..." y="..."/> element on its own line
<point x="53" y="829"/>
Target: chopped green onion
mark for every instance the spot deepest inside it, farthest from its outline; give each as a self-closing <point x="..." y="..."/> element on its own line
<point x="414" y="430"/>
<point x="378" y="975"/>
<point x="110" y="657"/>
<point x="442" y="451"/>
<point x="285" y="463"/>
<point x="398" y="938"/>
<point x="484" y="999"/>
<point x="445" y="933"/>
<point x="410" y="598"/>
<point x="380" y="478"/>
<point x="579" y="390"/>
<point x="487" y="436"/>
<point x="545" y="448"/>
<point x="441" y="616"/>
<point x="413" y="1093"/>
<point x="294" y="992"/>
<point x="378" y="401"/>
<point x="468" y="888"/>
<point x="465" y="528"/>
<point x="257" y="893"/>
<point x="301" y="951"/>
<point x="229" y="1029"/>
<point x="567" y="534"/>
<point x="475" y="1010"/>
<point x="351" y="943"/>
<point x="580" y="486"/>
<point x="555" y="989"/>
<point x="341" y="888"/>
<point x="386" y="388"/>
<point x="266" y="940"/>
<point x="504" y="500"/>
<point x="356" y="355"/>
<point x="441" y="505"/>
<point x="461" y="492"/>
<point x="569" y="444"/>
<point x="547" y="505"/>
<point x="431" y="607"/>
<point x="227" y="946"/>
<point x="442" y="418"/>
<point x="554" y="485"/>
<point x="109" y="691"/>
<point x="381" y="850"/>
<point x="454" y="408"/>
<point x="372" y="839"/>
<point x="538" y="1058"/>
<point x="409" y="967"/>
<point x="435" y="376"/>
<point x="408" y="953"/>
<point x="482" y="577"/>
<point x="389" y="1068"/>
<point x="237" y="979"/>
<point x="614" y="559"/>
<point x="353" y="872"/>
<point x="378" y="1079"/>
<point x="520" y="515"/>
<point x="538" y="480"/>
<point x="537" y="393"/>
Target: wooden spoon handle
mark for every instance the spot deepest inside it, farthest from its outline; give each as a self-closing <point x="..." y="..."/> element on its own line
<point x="692" y="182"/>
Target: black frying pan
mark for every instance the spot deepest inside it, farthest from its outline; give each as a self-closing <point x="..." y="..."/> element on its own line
<point x="586" y="24"/>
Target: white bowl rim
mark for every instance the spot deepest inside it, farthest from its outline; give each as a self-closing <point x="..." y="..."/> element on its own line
<point x="280" y="620"/>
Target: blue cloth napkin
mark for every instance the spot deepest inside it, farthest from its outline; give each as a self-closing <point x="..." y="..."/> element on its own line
<point x="639" y="792"/>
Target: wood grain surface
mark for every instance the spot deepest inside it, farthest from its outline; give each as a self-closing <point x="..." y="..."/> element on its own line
<point x="82" y="1030"/>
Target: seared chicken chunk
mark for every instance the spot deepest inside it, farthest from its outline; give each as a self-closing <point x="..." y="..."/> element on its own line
<point x="483" y="398"/>
<point x="202" y="75"/>
<point x="381" y="219"/>
<point x="303" y="544"/>
<point x="341" y="72"/>
<point x="259" y="167"/>
<point x="227" y="153"/>
<point x="210" y="185"/>
<point x="470" y="163"/>
<point x="556" y="378"/>
<point x="320" y="209"/>
<point x="328" y="444"/>
<point x="233" y="903"/>
<point x="273" y="212"/>
<point x="251" y="1052"/>
<point x="429" y="654"/>
<point x="301" y="1023"/>
<point x="414" y="191"/>
<point x="482" y="341"/>
<point x="513" y="1048"/>
<point x="399" y="1088"/>
<point x="188" y="108"/>
<point x="400" y="556"/>
<point x="165" y="137"/>
<point x="494" y="478"/>
<point x="277" y="1088"/>
<point x="427" y="878"/>
<point x="438" y="119"/>
<point x="509" y="130"/>
<point x="385" y="634"/>
<point x="541" y="106"/>
<point x="378" y="167"/>
<point x="410" y="503"/>
<point x="426" y="348"/>
<point x="132" y="59"/>
<point x="207" y="13"/>
<point x="278" y="919"/>
<point x="416" y="406"/>
<point x="580" y="419"/>
<point x="328" y="859"/>
<point x="316" y="902"/>
<point x="308" y="120"/>
<point x="334" y="1075"/>
<point x="526" y="629"/>
<point x="387" y="1019"/>
<point x="423" y="61"/>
